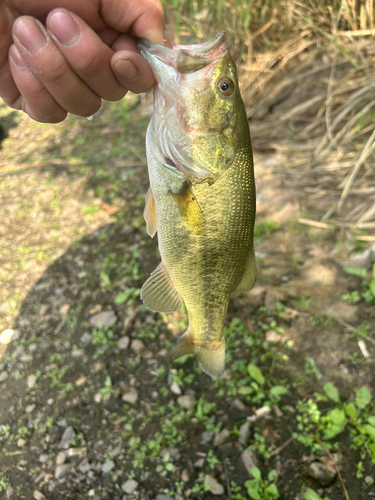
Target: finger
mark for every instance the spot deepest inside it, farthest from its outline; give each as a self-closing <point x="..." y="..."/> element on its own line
<point x="51" y="68"/>
<point x="132" y="71"/>
<point x="8" y="90"/>
<point x="34" y="99"/>
<point x="86" y="54"/>
<point x="142" y="19"/>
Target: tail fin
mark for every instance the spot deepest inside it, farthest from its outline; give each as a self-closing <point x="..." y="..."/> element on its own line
<point x="211" y="359"/>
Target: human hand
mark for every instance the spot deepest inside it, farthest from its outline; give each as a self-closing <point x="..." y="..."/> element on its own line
<point x="55" y="61"/>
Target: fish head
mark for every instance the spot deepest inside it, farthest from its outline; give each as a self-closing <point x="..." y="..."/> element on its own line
<point x="197" y="106"/>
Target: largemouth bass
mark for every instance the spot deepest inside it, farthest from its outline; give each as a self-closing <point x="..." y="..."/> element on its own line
<point x="201" y="200"/>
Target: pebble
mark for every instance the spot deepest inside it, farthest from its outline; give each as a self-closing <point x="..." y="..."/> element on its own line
<point x="368" y="479"/>
<point x="108" y="466"/>
<point x="206" y="437"/>
<point x="237" y="403"/>
<point x="137" y="345"/>
<point x="21" y="442"/>
<point x="272" y="336"/>
<point x="221" y="437"/>
<point x="84" y="466"/>
<point x="199" y="464"/>
<point x="98" y="397"/>
<point x="26" y="358"/>
<point x="185" y="476"/>
<point x="130" y="397"/>
<point x="86" y="338"/>
<point x="175" y="388"/>
<point x="33" y="347"/>
<point x="62" y="423"/>
<point x="61" y="470"/>
<point x="43" y="458"/>
<point x="30" y="408"/>
<point x="123" y="343"/>
<point x="6" y="336"/>
<point x="187" y="402"/>
<point x="215" y="487"/>
<point x="249" y="460"/>
<point x="77" y="353"/>
<point x="129" y="486"/>
<point x="3" y="376"/>
<point x="80" y="381"/>
<point x="319" y="471"/>
<point x="91" y="493"/>
<point x="103" y="319"/>
<point x="38" y="495"/>
<point x="163" y="497"/>
<point x="67" y="437"/>
<point x="244" y="433"/>
<point x="64" y="309"/>
<point x="60" y="458"/>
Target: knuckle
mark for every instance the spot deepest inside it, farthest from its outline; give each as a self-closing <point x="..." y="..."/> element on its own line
<point x="89" y="108"/>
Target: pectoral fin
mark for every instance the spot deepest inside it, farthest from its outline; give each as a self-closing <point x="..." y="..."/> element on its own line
<point x="159" y="293"/>
<point x="249" y="277"/>
<point x="149" y="214"/>
<point x="189" y="208"/>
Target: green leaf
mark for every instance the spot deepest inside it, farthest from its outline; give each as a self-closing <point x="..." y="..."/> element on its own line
<point x="252" y="489"/>
<point x="356" y="271"/>
<point x="272" y="475"/>
<point x="363" y="397"/>
<point x="372" y="287"/>
<point x="371" y="420"/>
<point x="337" y="416"/>
<point x="256" y="473"/>
<point x="331" y="392"/>
<point x="104" y="278"/>
<point x="351" y="411"/>
<point x="309" y="494"/>
<point x="370" y="430"/>
<point x="123" y="297"/>
<point x="255" y="373"/>
<point x="272" y="492"/>
<point x="278" y="390"/>
<point x="244" y="391"/>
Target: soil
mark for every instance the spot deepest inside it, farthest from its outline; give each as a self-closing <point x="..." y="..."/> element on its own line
<point x="89" y="406"/>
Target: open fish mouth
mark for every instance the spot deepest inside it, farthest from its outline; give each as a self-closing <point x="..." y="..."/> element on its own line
<point x="183" y="59"/>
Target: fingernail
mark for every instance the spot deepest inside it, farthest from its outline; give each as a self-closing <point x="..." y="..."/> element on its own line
<point x="126" y="69"/>
<point x="63" y="27"/>
<point x="30" y="33"/>
<point x="16" y="57"/>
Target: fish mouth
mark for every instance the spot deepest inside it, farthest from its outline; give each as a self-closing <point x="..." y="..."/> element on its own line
<point x="183" y="59"/>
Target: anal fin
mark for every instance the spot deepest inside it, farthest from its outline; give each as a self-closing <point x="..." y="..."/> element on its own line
<point x="248" y="279"/>
<point x="149" y="214"/>
<point x="159" y="293"/>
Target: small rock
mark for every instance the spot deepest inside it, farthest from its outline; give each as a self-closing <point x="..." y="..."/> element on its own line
<point x="31" y="381"/>
<point x="33" y="347"/>
<point x="215" y="487"/>
<point x="91" y="493"/>
<point x="62" y="423"/>
<point x="175" y="388"/>
<point x="60" y="458"/>
<point x="137" y="345"/>
<point x="108" y="466"/>
<point x="244" y="433"/>
<point x="123" y="343"/>
<point x="368" y="479"/>
<point x="221" y="437"/>
<point x="272" y="336"/>
<point x="185" y="476"/>
<point x="78" y="353"/>
<point x="319" y="471"/>
<point x="249" y="460"/>
<point x="98" y="397"/>
<point x="26" y="358"/>
<point x="80" y="381"/>
<point x="21" y="442"/>
<point x="64" y="309"/>
<point x="237" y="403"/>
<point x="259" y="413"/>
<point x="61" y="470"/>
<point x="3" y="376"/>
<point x="86" y="338"/>
<point x="129" y="486"/>
<point x="163" y="497"/>
<point x="103" y="319"/>
<point x="30" y="408"/>
<point x="38" y="495"/>
<point x="207" y="437"/>
<point x="43" y="458"/>
<point x="73" y="452"/>
<point x="84" y="466"/>
<point x="187" y="402"/>
<point x="130" y="397"/>
<point x="67" y="437"/>
<point x="199" y="464"/>
<point x="98" y="367"/>
<point x="6" y="336"/>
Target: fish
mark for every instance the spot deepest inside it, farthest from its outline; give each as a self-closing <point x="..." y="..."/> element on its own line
<point x="201" y="200"/>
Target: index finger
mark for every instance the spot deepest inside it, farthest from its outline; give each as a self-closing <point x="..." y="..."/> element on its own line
<point x="140" y="18"/>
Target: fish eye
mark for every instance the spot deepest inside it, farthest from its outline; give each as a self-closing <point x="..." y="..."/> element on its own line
<point x="226" y="86"/>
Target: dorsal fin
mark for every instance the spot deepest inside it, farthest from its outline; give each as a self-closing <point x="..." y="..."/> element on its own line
<point x="159" y="293"/>
<point x="149" y="214"/>
<point x="249" y="277"/>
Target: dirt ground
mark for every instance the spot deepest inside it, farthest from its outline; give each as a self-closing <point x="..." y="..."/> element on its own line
<point x="89" y="408"/>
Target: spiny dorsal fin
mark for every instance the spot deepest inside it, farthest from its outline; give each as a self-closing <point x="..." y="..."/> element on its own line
<point x="149" y="214"/>
<point x="159" y="293"/>
<point x="212" y="361"/>
<point x="249" y="277"/>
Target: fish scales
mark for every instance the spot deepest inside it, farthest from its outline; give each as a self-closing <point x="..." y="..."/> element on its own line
<point x="202" y="187"/>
